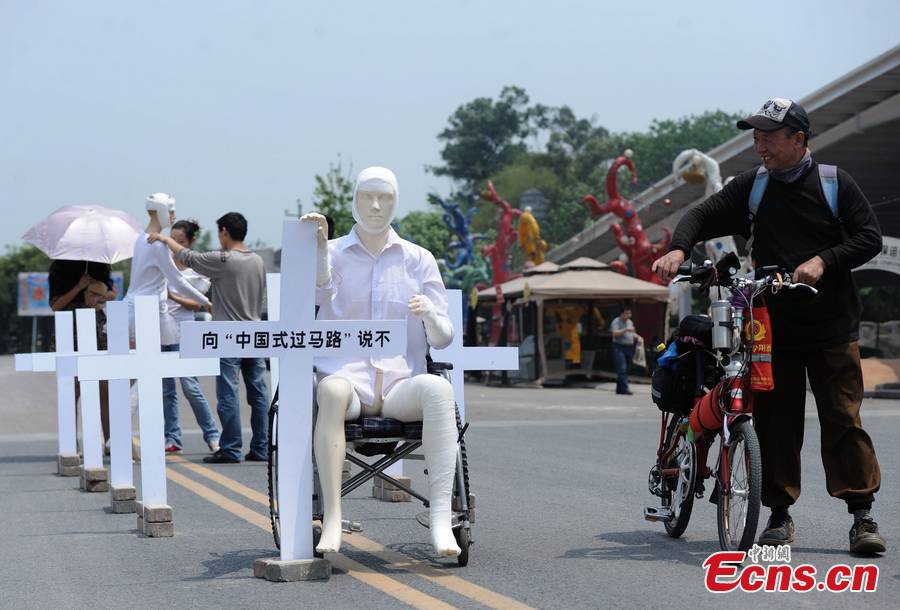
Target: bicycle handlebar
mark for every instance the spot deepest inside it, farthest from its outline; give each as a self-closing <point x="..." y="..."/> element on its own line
<point x="771" y="276"/>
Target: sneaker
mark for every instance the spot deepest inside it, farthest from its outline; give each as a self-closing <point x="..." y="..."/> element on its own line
<point x="864" y="537"/>
<point x="252" y="457"/>
<point x="221" y="458"/>
<point x="213" y="445"/>
<point x="172" y="448"/>
<point x="780" y="530"/>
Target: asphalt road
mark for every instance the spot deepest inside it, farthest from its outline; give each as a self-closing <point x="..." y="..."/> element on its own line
<point x="560" y="478"/>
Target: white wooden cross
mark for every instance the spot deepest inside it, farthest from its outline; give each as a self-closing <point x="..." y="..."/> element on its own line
<point x="149" y="366"/>
<point x="295" y="340"/>
<point x="91" y="431"/>
<point x="45" y="362"/>
<point x="117" y="340"/>
<point x="470" y="358"/>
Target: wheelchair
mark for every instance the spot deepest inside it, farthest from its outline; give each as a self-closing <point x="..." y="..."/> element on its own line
<point x="394" y="440"/>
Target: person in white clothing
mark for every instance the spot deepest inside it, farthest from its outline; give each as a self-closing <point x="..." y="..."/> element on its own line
<point x="373" y="274"/>
<point x="153" y="271"/>
<point x="182" y="308"/>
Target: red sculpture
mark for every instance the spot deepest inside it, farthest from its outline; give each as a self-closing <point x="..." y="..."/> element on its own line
<point x="497" y="253"/>
<point x="632" y="239"/>
<point x="506" y="236"/>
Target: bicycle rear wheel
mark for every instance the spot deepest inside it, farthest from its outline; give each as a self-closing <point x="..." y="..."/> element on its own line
<point x="738" y="510"/>
<point x="681" y="490"/>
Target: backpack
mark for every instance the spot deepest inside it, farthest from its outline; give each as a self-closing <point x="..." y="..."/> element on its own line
<point x="827" y="178"/>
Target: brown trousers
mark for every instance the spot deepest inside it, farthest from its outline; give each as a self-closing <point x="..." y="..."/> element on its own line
<point x="835" y="376"/>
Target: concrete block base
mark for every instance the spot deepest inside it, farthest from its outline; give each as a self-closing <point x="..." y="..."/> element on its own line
<point x="94" y="479"/>
<point x="276" y="570"/>
<point x="388" y="492"/>
<point x="68" y="464"/>
<point x="122" y="499"/>
<point x="154" y="521"/>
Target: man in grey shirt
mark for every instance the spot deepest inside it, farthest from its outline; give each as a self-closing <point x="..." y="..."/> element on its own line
<point x="623" y="348"/>
<point x="238" y="285"/>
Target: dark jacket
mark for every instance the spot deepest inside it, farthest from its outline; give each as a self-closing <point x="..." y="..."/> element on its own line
<point x="794" y="224"/>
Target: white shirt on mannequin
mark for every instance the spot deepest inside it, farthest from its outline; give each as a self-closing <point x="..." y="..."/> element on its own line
<point x="366" y="287"/>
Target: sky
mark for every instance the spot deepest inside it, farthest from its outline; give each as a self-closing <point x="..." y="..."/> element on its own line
<point x="236" y="106"/>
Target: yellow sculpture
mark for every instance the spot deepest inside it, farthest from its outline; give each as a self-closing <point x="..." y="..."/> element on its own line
<point x="530" y="238"/>
<point x="568" y="317"/>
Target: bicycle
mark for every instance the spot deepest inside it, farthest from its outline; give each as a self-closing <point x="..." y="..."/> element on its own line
<point x="708" y="395"/>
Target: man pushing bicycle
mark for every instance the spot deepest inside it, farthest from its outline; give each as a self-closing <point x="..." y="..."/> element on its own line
<point x="814" y="220"/>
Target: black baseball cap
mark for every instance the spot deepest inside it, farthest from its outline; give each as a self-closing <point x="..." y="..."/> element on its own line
<point x="776" y="113"/>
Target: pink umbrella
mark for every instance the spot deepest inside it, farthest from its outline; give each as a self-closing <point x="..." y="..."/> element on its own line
<point x="86" y="233"/>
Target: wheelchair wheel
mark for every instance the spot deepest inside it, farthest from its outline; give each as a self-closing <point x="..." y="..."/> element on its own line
<point x="273" y="474"/>
<point x="738" y="510"/>
<point x="463" y="533"/>
<point x="464" y="541"/>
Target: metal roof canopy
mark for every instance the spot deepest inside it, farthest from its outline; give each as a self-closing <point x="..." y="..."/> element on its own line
<point x="856" y="125"/>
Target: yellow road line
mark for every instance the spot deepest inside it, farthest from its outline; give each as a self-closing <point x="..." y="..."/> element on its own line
<point x="383" y="583"/>
<point x="228" y="504"/>
<point x="222" y="480"/>
<point x="397" y="560"/>
<point x="386" y="584"/>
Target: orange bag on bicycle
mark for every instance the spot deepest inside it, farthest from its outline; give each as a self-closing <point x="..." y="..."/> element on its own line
<point x="761" y="378"/>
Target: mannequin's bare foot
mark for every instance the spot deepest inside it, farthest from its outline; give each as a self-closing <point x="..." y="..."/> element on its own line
<point x="330" y="542"/>
<point x="442" y="539"/>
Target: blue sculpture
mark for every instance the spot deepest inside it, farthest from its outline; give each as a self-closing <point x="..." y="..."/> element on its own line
<point x="459" y="224"/>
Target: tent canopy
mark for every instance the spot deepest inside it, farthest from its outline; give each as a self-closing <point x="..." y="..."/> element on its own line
<point x="583" y="278"/>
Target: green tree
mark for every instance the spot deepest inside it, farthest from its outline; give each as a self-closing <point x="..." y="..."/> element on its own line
<point x="426" y="229"/>
<point x="520" y="145"/>
<point x="483" y="136"/>
<point x="655" y="149"/>
<point x="333" y="196"/>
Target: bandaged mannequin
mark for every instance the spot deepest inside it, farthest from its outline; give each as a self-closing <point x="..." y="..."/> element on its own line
<point x="372" y="274"/>
<point x="152" y="273"/>
<point x="153" y="270"/>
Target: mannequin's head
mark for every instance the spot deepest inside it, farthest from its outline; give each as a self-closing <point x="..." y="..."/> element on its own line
<point x="375" y="198"/>
<point x="162" y="207"/>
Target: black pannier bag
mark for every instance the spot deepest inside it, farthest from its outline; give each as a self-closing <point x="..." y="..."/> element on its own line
<point x="674" y="383"/>
<point x="673" y="386"/>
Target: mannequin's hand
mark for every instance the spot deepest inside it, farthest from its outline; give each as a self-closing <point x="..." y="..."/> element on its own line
<point x="810" y="272"/>
<point x="422" y="306"/>
<point x="322" y="232"/>
<point x="666" y="267"/>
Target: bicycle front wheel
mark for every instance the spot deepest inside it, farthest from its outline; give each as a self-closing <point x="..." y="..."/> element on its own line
<point x="739" y="508"/>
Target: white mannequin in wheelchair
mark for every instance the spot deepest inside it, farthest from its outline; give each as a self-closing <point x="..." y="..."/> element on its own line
<point x="371" y="273"/>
